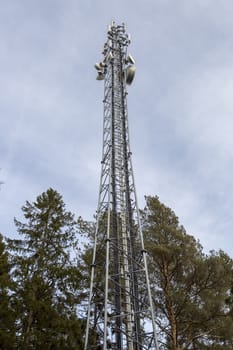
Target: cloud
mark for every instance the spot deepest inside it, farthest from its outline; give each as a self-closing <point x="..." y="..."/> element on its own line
<point x="189" y="156"/>
<point x="180" y="106"/>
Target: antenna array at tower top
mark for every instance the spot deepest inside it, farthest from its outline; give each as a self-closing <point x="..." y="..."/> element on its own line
<point x="109" y="51"/>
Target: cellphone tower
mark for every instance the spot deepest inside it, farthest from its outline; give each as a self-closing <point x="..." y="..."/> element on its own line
<point x="120" y="312"/>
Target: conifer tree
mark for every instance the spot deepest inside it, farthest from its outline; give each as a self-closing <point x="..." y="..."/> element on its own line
<point x="47" y="275"/>
<point x="7" y="324"/>
<point x="190" y="287"/>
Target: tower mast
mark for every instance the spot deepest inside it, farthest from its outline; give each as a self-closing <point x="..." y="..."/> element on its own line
<point x="120" y="312"/>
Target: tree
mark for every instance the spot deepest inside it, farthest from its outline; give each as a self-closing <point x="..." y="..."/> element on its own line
<point x="7" y="316"/>
<point x="47" y="276"/>
<point x="190" y="288"/>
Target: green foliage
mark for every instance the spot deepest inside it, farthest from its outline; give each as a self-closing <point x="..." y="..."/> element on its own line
<point x="47" y="276"/>
<point x="7" y="316"/>
<point x="190" y="288"/>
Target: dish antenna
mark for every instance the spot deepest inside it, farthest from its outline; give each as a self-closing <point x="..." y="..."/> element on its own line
<point x="100" y="75"/>
<point x="97" y="66"/>
<point x="130" y="74"/>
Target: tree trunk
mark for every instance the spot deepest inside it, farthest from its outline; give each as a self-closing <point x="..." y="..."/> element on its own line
<point x="170" y="307"/>
<point x="28" y="331"/>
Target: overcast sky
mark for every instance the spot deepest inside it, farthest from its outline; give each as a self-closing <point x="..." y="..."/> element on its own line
<point x="180" y="106"/>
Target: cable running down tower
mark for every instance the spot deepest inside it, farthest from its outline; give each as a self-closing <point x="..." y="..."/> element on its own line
<point x="120" y="312"/>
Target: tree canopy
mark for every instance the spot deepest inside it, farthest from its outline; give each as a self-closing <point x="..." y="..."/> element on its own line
<point x="44" y="280"/>
<point x="190" y="287"/>
<point x="7" y="315"/>
<point x="46" y="275"/>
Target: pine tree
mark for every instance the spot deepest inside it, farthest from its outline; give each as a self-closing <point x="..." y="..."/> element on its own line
<point x="7" y="316"/>
<point x="47" y="275"/>
<point x="190" y="287"/>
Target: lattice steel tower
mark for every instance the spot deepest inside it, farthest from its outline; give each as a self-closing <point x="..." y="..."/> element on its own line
<point x="120" y="314"/>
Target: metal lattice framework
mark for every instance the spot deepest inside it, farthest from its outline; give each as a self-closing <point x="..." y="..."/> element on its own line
<point x="120" y="313"/>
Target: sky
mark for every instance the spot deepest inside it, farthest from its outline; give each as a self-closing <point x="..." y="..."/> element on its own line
<point x="180" y="107"/>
